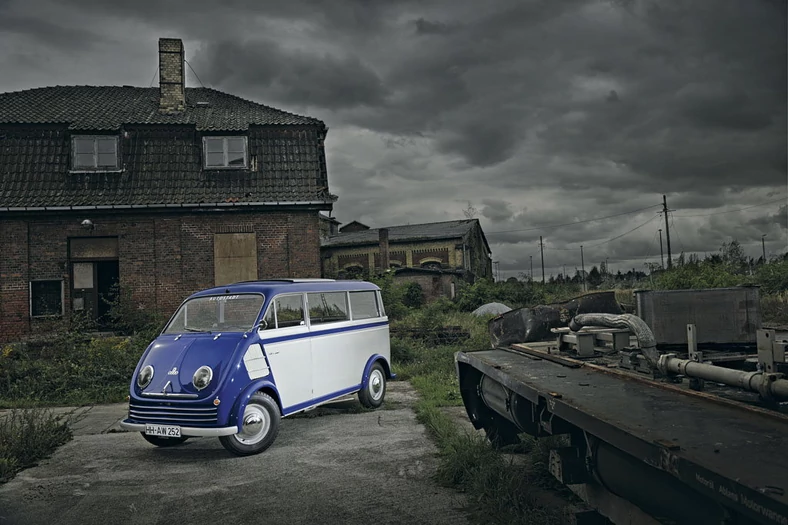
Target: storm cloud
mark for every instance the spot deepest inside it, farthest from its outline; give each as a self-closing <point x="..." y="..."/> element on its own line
<point x="539" y="113"/>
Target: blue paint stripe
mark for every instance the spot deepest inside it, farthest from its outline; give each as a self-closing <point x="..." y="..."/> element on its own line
<point x="322" y="332"/>
<point x="307" y="404"/>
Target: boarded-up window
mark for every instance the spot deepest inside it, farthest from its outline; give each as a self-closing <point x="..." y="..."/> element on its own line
<point x="234" y="257"/>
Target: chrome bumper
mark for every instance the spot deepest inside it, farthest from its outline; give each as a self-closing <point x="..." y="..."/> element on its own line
<point x="185" y="431"/>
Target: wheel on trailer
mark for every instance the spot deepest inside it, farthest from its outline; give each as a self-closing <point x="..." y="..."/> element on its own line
<point x="163" y="441"/>
<point x="259" y="427"/>
<point x="372" y="396"/>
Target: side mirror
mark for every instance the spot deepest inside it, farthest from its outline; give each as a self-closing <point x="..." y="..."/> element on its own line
<point x="262" y="326"/>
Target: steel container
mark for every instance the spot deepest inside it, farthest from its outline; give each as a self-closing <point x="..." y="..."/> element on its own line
<point x="720" y="315"/>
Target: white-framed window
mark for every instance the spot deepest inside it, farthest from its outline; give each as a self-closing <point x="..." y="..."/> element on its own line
<point x="225" y="152"/>
<point x="46" y="297"/>
<point x="94" y="153"/>
<point x="364" y="304"/>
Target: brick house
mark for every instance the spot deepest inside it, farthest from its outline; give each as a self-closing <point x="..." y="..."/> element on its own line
<point x="434" y="254"/>
<point x="163" y="190"/>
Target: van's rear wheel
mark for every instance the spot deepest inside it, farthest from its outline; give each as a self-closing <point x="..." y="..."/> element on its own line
<point x="163" y="441"/>
<point x="259" y="427"/>
<point x="372" y="396"/>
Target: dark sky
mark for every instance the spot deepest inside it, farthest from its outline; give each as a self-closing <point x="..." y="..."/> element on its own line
<point x="536" y="112"/>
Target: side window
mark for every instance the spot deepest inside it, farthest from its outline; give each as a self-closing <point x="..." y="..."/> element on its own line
<point x="269" y="317"/>
<point x="327" y="307"/>
<point x="364" y="305"/>
<point x="289" y="311"/>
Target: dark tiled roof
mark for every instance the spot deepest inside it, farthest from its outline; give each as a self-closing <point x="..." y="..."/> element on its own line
<point x="161" y="166"/>
<point x="109" y="107"/>
<point x="410" y="232"/>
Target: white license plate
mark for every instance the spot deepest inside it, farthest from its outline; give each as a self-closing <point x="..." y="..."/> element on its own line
<point x="163" y="431"/>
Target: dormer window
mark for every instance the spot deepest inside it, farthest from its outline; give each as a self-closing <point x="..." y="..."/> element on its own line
<point x="225" y="152"/>
<point x="94" y="153"/>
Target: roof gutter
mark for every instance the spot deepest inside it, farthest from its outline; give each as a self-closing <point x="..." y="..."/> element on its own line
<point x="161" y="206"/>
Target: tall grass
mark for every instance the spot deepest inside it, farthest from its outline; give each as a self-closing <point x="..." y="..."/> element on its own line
<point x="27" y="436"/>
<point x="498" y="488"/>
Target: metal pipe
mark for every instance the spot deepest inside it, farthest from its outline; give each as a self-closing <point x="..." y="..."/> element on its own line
<point x="765" y="384"/>
<point x="646" y="340"/>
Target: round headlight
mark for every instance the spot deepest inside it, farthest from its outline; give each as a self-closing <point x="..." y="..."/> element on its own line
<point x="202" y="377"/>
<point x="145" y="376"/>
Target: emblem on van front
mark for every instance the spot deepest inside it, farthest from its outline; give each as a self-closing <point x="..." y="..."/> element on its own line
<point x="173" y="372"/>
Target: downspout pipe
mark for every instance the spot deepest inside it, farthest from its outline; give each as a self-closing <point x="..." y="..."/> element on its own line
<point x="636" y="325"/>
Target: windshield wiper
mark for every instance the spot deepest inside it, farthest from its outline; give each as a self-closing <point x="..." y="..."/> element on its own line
<point x="198" y="331"/>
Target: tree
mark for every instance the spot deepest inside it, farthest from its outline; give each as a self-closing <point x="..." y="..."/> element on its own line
<point x="470" y="212"/>
<point x="594" y="277"/>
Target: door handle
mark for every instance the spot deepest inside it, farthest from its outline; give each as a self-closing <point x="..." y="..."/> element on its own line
<point x="273" y="353"/>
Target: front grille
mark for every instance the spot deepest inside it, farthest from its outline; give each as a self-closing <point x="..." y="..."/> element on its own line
<point x="180" y="415"/>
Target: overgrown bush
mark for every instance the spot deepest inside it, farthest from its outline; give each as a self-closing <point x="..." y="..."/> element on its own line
<point x="72" y="369"/>
<point x="128" y="317"/>
<point x="27" y="436"/>
<point x="413" y="295"/>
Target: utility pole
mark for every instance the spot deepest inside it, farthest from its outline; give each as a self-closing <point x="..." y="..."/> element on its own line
<point x="583" y="268"/>
<point x="667" y="229"/>
<point x="541" y="251"/>
<point x="661" y="255"/>
<point x="763" y="246"/>
<point x="564" y="272"/>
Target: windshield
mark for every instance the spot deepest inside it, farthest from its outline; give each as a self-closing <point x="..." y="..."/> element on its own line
<point x="218" y="313"/>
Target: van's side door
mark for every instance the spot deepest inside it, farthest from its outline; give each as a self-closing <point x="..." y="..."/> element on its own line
<point x="286" y="341"/>
<point x="335" y="363"/>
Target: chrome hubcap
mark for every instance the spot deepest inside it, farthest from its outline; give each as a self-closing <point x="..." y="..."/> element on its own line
<point x="376" y="384"/>
<point x="256" y="425"/>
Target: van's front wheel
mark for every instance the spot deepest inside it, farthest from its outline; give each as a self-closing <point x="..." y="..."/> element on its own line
<point x="259" y="427"/>
<point x="372" y="396"/>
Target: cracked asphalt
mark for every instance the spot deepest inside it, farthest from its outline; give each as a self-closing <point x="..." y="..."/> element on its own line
<point x="334" y="465"/>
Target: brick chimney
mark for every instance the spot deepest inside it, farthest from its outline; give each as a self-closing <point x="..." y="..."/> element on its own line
<point x="172" y="80"/>
<point x="383" y="240"/>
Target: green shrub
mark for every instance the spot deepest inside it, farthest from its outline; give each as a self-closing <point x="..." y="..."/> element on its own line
<point x="413" y="295"/>
<point x="27" y="436"/>
<point x="774" y="308"/>
<point x="72" y="369"/>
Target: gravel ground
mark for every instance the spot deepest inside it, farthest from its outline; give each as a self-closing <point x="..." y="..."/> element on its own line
<point x="333" y="465"/>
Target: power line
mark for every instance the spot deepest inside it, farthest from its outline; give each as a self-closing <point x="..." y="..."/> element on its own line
<point x="575" y="222"/>
<point x="153" y="77"/>
<point x="731" y="211"/>
<point x="625" y="233"/>
<point x="193" y="71"/>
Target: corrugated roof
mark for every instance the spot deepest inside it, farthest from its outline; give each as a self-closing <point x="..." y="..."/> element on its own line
<point x="109" y="107"/>
<point x="409" y="232"/>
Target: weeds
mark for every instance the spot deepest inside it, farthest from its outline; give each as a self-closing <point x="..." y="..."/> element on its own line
<point x="498" y="489"/>
<point x="27" y="436"/>
<point x="71" y="369"/>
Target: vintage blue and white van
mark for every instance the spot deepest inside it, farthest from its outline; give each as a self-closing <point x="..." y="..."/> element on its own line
<point x="235" y="359"/>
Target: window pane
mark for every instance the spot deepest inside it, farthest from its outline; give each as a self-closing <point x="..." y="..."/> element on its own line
<point x="233" y="313"/>
<point x="83" y="145"/>
<point x="235" y="144"/>
<point x="106" y="145"/>
<point x="327" y="307"/>
<point x="214" y="145"/>
<point x="45" y="298"/>
<point x="270" y="322"/>
<point x="84" y="160"/>
<point x="235" y="159"/>
<point x="289" y="311"/>
<point x="83" y="275"/>
<point x="107" y="160"/>
<point x="364" y="305"/>
<point x="214" y="159"/>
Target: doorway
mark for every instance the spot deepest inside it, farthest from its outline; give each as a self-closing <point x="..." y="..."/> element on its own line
<point x="95" y="275"/>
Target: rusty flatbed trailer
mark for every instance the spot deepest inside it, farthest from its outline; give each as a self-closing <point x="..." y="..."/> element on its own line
<point x="638" y="451"/>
